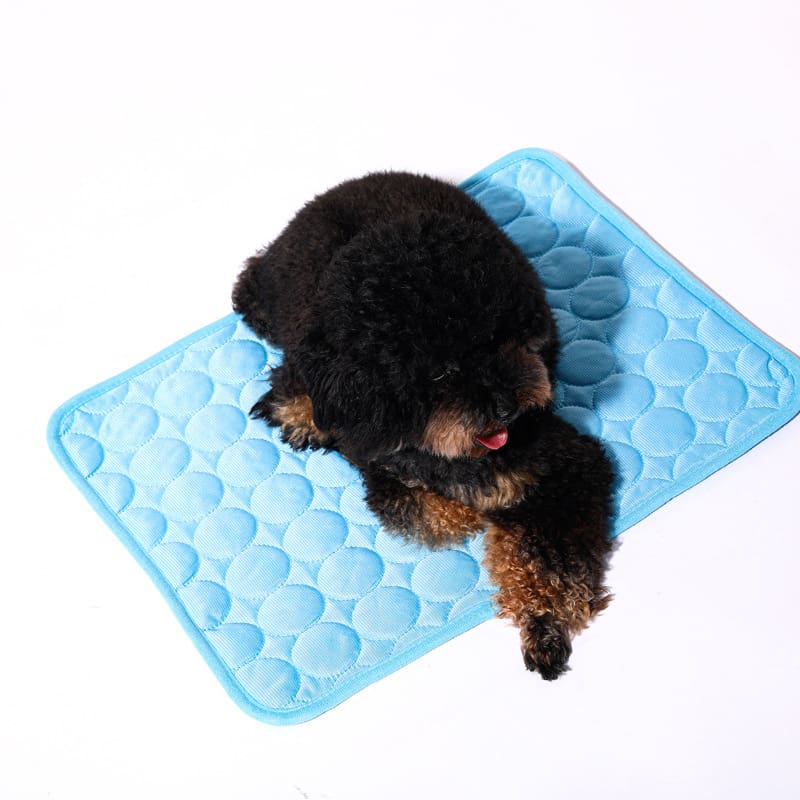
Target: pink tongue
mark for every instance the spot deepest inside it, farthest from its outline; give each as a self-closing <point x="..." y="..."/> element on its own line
<point x="494" y="441"/>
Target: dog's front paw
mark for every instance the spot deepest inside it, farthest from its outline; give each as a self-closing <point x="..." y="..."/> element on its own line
<point x="265" y="409"/>
<point x="420" y="514"/>
<point x="294" y="416"/>
<point x="546" y="647"/>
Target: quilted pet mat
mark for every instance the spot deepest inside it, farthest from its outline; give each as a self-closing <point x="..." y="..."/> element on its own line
<point x="270" y="559"/>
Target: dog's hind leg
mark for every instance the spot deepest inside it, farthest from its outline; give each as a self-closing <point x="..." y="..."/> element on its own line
<point x="287" y="406"/>
<point x="418" y="514"/>
<point x="548" y="555"/>
<point x="550" y="600"/>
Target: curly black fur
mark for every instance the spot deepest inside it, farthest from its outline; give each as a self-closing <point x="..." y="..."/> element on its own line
<point x="414" y="330"/>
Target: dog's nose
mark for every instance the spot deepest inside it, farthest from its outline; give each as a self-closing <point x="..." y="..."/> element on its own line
<point x="505" y="411"/>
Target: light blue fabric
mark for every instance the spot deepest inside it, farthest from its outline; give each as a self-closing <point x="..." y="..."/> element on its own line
<point x="270" y="559"/>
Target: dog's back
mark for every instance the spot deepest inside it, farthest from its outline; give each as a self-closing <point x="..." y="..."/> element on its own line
<point x="277" y="290"/>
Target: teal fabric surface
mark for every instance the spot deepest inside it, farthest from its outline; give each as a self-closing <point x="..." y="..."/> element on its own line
<point x="271" y="560"/>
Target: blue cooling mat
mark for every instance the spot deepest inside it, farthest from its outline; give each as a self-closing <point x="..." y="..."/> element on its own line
<point x="270" y="559"/>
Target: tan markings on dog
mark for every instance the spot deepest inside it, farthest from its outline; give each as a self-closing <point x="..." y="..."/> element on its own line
<point x="446" y="522"/>
<point x="526" y="589"/>
<point x="296" y="418"/>
<point x="535" y="394"/>
<point x="536" y="389"/>
<point x="508" y="490"/>
<point x="447" y="435"/>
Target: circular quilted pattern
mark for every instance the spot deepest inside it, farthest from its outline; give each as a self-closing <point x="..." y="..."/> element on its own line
<point x="183" y="393"/>
<point x="534" y="235"/>
<point x="117" y="490"/>
<point x="215" y="427"/>
<point x="247" y="461"/>
<point x="208" y="603"/>
<point x="624" y="397"/>
<point x="350" y="573"/>
<point x="584" y="419"/>
<point x="753" y="366"/>
<point x="675" y="301"/>
<point x="566" y="324"/>
<point x="237" y="642"/>
<point x="676" y="362"/>
<point x="270" y="681"/>
<point x="159" y="461"/>
<point x="274" y="555"/>
<point x="386" y="613"/>
<point x="627" y="460"/>
<point x="224" y="533"/>
<point x="147" y="525"/>
<point x="290" y="610"/>
<point x="314" y="536"/>
<point x="503" y="203"/>
<point x="257" y="571"/>
<point x="329" y="472"/>
<point x="192" y="496"/>
<point x="662" y="432"/>
<point x="564" y="267"/>
<point x="714" y="398"/>
<point x="637" y="330"/>
<point x="128" y="427"/>
<point x="397" y="550"/>
<point x="178" y="562"/>
<point x="599" y="298"/>
<point x="326" y="649"/>
<point x="292" y="492"/>
<point x="445" y="576"/>
<point x="354" y="507"/>
<point x="585" y="362"/>
<point x="236" y="362"/>
<point x="86" y="452"/>
<point x="726" y="339"/>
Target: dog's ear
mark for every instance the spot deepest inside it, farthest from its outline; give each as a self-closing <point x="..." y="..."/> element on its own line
<point x="338" y="392"/>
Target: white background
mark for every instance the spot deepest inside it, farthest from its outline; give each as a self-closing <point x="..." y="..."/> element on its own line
<point x="147" y="150"/>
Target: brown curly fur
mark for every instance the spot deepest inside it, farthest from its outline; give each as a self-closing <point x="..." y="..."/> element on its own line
<point x="446" y="522"/>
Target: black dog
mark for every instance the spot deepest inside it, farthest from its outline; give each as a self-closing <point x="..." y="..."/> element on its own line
<point x="418" y="343"/>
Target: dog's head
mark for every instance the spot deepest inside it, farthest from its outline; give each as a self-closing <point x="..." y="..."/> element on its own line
<point x="435" y="334"/>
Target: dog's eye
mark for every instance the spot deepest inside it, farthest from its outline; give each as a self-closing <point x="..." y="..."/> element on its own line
<point x="533" y="345"/>
<point x="449" y="369"/>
